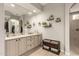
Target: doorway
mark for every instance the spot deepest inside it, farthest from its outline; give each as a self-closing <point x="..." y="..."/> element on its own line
<point x="74" y="30"/>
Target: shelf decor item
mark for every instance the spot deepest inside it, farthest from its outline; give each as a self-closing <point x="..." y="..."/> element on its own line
<point x="27" y="22"/>
<point x="39" y="23"/>
<point x="46" y="24"/>
<point x="28" y="25"/>
<point x="50" y="18"/>
<point x="33" y="24"/>
<point x="58" y="20"/>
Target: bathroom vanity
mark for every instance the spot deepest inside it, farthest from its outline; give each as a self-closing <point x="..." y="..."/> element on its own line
<point x="20" y="36"/>
<point x="18" y="45"/>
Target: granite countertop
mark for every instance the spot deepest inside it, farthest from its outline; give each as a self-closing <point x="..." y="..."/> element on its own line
<point x="19" y="36"/>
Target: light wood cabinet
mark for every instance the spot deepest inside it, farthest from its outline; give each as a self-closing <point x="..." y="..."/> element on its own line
<point x="22" y="45"/>
<point x="28" y="43"/>
<point x="39" y="39"/>
<point x="19" y="46"/>
<point x="11" y="47"/>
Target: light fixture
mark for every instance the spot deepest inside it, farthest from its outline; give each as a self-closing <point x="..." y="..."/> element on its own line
<point x="34" y="10"/>
<point x="12" y="5"/>
<point x="75" y="17"/>
<point x="29" y="13"/>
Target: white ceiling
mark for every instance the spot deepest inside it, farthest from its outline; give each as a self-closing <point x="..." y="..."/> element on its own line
<point x="21" y="8"/>
<point x="43" y="4"/>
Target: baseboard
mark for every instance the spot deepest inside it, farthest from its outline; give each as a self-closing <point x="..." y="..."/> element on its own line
<point x="67" y="53"/>
<point x="27" y="53"/>
<point x="62" y="51"/>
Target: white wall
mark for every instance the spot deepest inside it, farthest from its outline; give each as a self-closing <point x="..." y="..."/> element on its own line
<point x="2" y="35"/>
<point x="56" y="32"/>
<point x="67" y="32"/>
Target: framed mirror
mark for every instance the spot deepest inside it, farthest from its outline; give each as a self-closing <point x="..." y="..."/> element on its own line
<point x="13" y="24"/>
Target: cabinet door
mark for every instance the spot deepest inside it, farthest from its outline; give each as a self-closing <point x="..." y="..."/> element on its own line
<point x="39" y="39"/>
<point x="11" y="47"/>
<point x="29" y="42"/>
<point x="22" y="46"/>
<point x="32" y="41"/>
<point x="36" y="41"/>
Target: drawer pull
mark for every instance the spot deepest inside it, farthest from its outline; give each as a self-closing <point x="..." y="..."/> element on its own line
<point x="16" y="40"/>
<point x="19" y="39"/>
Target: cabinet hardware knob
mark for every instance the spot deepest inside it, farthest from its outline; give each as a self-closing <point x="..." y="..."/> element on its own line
<point x="19" y="39"/>
<point x="16" y="40"/>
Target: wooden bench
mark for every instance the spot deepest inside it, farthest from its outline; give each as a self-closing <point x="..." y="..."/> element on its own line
<point x="51" y="45"/>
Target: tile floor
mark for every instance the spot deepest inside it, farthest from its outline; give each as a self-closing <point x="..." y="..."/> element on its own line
<point x="74" y="52"/>
<point x="74" y="49"/>
<point x="41" y="52"/>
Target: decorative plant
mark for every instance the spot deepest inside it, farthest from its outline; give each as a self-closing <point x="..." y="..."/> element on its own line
<point x="58" y="20"/>
<point x="45" y="24"/>
<point x="50" y="25"/>
<point x="51" y="18"/>
<point x="28" y="25"/>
